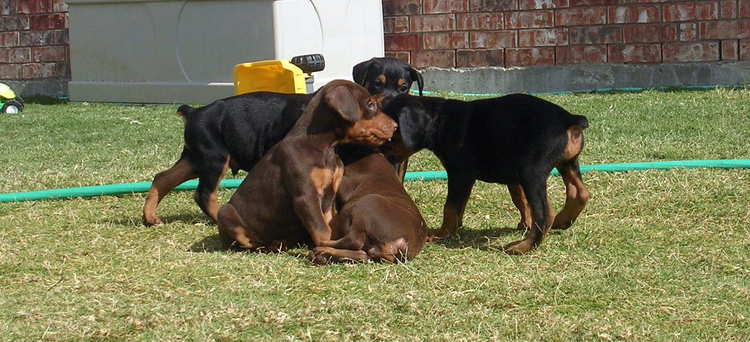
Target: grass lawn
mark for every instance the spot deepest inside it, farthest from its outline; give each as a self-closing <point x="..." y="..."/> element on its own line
<point x="656" y="256"/>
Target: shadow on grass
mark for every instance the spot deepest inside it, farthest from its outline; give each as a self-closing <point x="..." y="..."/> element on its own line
<point x="486" y="239"/>
<point x="209" y="244"/>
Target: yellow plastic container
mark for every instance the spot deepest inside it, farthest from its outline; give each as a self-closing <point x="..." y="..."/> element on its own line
<point x="274" y="75"/>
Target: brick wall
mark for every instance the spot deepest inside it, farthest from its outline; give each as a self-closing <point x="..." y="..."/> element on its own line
<point x="33" y="42"/>
<point x="507" y="33"/>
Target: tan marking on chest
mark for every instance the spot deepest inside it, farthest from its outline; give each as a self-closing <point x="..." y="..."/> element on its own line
<point x="321" y="179"/>
<point x="401" y="82"/>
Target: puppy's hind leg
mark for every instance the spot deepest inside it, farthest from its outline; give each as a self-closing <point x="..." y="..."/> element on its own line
<point x="163" y="183"/>
<point x="208" y="182"/>
<point x="576" y="194"/>
<point x="233" y="231"/>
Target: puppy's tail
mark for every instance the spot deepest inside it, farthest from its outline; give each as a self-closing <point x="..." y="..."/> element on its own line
<point x="184" y="111"/>
<point x="578" y="120"/>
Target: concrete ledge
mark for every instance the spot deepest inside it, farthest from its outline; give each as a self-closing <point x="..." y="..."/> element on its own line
<point x="149" y="92"/>
<point x="579" y="77"/>
<point x="52" y="87"/>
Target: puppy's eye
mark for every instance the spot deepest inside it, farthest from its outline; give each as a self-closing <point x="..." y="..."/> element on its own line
<point x="372" y="107"/>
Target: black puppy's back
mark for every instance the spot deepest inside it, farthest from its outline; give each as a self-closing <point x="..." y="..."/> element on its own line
<point x="244" y="126"/>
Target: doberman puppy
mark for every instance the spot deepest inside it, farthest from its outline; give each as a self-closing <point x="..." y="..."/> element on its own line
<point x="237" y="131"/>
<point x="376" y="219"/>
<point x="389" y="76"/>
<point x="288" y="197"/>
<point x="515" y="140"/>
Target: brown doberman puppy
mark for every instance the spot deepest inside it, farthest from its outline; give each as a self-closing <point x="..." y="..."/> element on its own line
<point x="288" y="197"/>
<point x="376" y="220"/>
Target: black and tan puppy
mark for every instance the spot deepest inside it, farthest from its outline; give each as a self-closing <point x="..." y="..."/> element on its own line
<point x="288" y="197"/>
<point x="237" y="131"/>
<point x="515" y="140"/>
<point x="376" y="219"/>
<point x="391" y="77"/>
<point x="386" y="75"/>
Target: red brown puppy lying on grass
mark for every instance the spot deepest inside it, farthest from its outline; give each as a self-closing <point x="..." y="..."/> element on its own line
<point x="376" y="219"/>
<point x="515" y="140"/>
<point x="288" y="197"/>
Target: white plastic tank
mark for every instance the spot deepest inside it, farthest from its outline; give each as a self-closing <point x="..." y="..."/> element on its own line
<point x="183" y="51"/>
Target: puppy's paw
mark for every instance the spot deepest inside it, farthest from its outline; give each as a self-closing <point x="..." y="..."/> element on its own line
<point x="152" y="221"/>
<point x="518" y="247"/>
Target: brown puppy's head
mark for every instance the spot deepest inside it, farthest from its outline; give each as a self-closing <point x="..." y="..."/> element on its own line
<point x="364" y="121"/>
<point x="387" y="75"/>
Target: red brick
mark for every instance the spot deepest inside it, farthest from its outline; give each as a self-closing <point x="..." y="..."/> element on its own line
<point x="530" y="56"/>
<point x="436" y="22"/>
<point x="729" y="50"/>
<point x="653" y="33"/>
<point x="575" y="3"/>
<point x="479" y="21"/>
<point x="744" y="50"/>
<point x="401" y="7"/>
<point x="434" y="58"/>
<point x="634" y="53"/>
<point x="396" y="42"/>
<point x="596" y="35"/>
<point x="730" y="29"/>
<point x="49" y="54"/>
<point x="728" y="9"/>
<point x="446" y="40"/>
<point x="43" y="70"/>
<point x="479" y="58"/>
<point x="688" y="32"/>
<point x="402" y="55"/>
<point x="692" y="10"/>
<point x="543" y="37"/>
<point x="581" y="54"/>
<point x="634" y="14"/>
<point x="9" y="39"/>
<point x="445" y="6"/>
<point x="42" y="38"/>
<point x="691" y="52"/>
<point x="396" y="25"/>
<point x="542" y="4"/>
<point x="4" y="55"/>
<point x="492" y="5"/>
<point x="20" y="55"/>
<point x="48" y="21"/>
<point x="744" y="10"/>
<point x="529" y="19"/>
<point x="493" y="39"/>
<point x="33" y="6"/>
<point x="14" y="23"/>
<point x="581" y="16"/>
<point x="10" y="71"/>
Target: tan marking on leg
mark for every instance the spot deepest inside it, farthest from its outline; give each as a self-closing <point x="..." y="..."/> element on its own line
<point x="576" y="197"/>
<point x="324" y="255"/>
<point x="212" y="207"/>
<point x="163" y="183"/>
<point x="519" y="199"/>
<point x="400" y="82"/>
<point x="232" y="230"/>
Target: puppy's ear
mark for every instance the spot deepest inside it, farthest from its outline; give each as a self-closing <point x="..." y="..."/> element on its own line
<point x="341" y="100"/>
<point x="359" y="72"/>
<point x="415" y="75"/>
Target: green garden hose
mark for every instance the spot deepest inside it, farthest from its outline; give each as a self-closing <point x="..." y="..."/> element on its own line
<point x="130" y="188"/>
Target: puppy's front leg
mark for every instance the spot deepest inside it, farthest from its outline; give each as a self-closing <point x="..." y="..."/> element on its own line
<point x="312" y="192"/>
